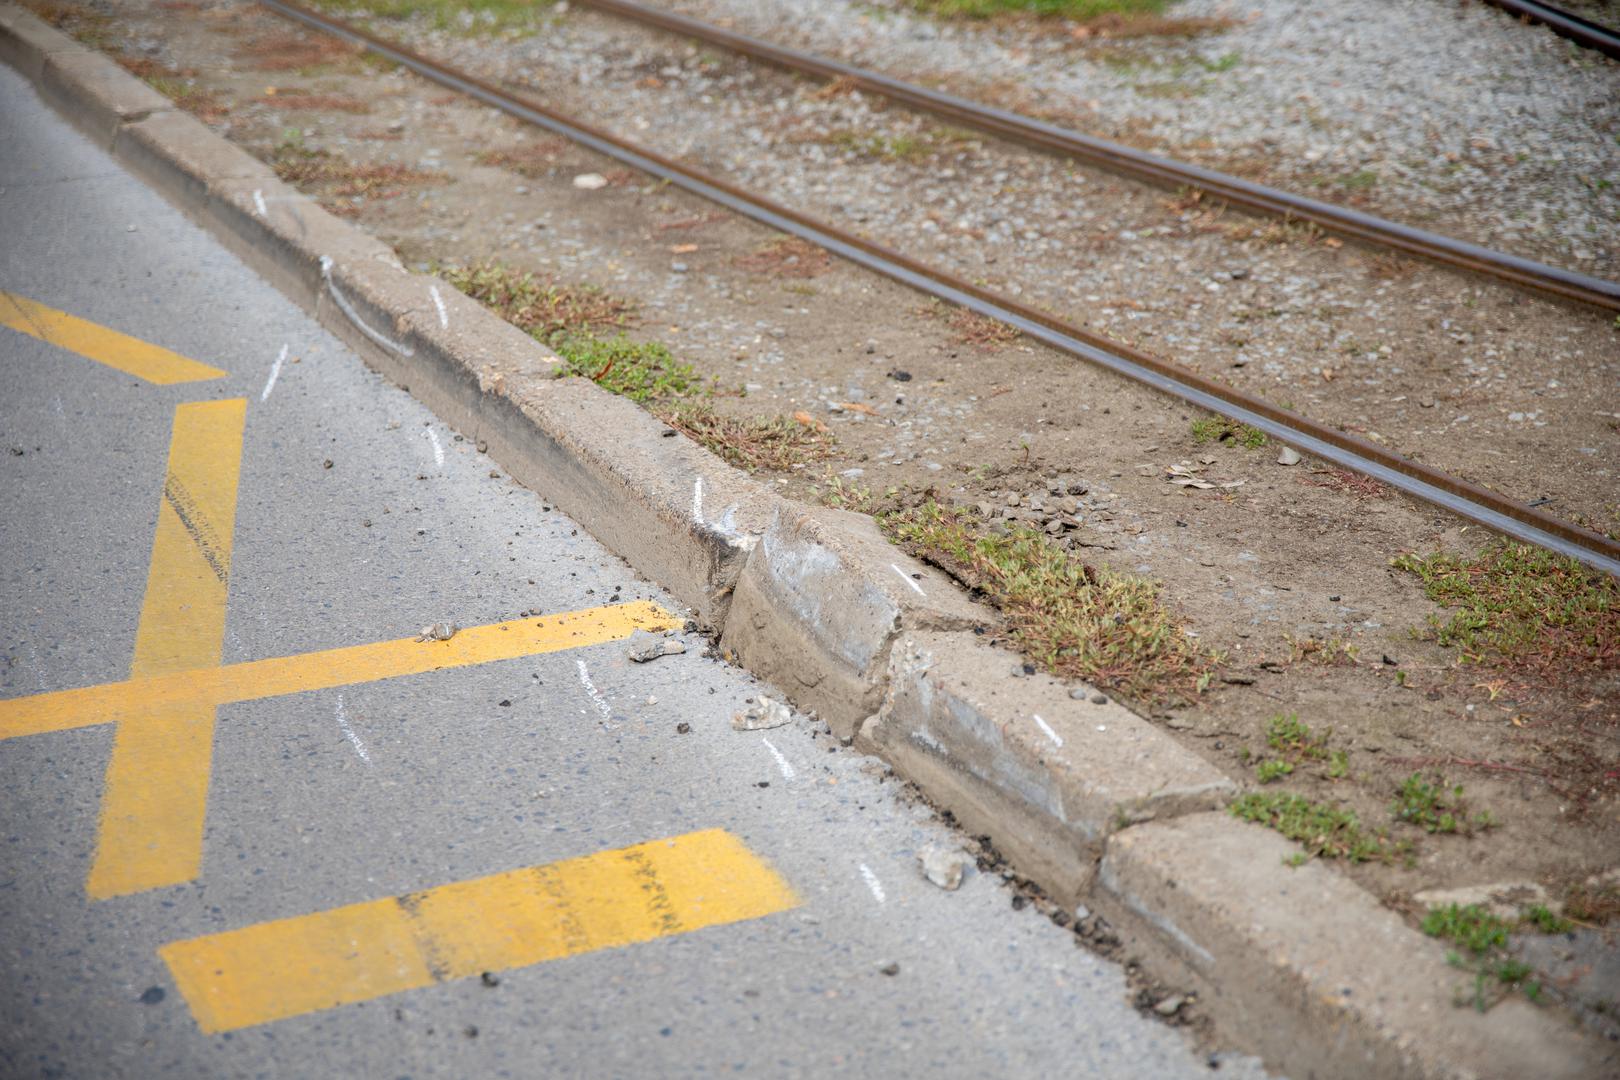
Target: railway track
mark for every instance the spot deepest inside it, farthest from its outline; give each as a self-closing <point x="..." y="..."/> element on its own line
<point x="1342" y="221"/>
<point x="1581" y="31"/>
<point x="1467" y="500"/>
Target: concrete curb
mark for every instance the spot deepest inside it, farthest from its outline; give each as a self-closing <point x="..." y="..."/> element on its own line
<point x="883" y="647"/>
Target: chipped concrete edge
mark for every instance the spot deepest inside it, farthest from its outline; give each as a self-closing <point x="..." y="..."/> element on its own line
<point x="884" y="648"/>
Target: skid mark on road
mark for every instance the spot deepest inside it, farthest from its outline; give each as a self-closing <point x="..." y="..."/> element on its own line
<point x="289" y="967"/>
<point x="156" y="793"/>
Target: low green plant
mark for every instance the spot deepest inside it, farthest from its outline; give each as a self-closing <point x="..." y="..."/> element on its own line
<point x="1483" y="937"/>
<point x="751" y="443"/>
<point x="1324" y="831"/>
<point x="1287" y="735"/>
<point x="1522" y="606"/>
<point x="1546" y="920"/>
<point x="1267" y="771"/>
<point x="1220" y="429"/>
<point x="1436" y="807"/>
<point x="1107" y="627"/>
<point x="1338" y="765"/>
<point x="642" y="371"/>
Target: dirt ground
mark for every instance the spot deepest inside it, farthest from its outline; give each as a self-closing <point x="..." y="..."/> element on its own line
<point x="1286" y="575"/>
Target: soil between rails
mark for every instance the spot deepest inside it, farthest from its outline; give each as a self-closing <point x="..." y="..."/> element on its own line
<point x="1279" y="573"/>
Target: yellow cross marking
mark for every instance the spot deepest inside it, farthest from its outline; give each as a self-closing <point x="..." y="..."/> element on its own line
<point x="156" y="797"/>
<point x="64" y="710"/>
<point x="129" y="355"/>
<point x="274" y="970"/>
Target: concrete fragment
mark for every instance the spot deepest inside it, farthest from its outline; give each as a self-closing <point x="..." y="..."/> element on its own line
<point x="645" y="647"/>
<point x="819" y="604"/>
<point x="943" y="866"/>
<point x="1046" y="776"/>
<point x="765" y="713"/>
<point x="1311" y="970"/>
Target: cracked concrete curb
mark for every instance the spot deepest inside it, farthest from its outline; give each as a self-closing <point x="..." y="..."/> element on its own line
<point x="883" y="647"/>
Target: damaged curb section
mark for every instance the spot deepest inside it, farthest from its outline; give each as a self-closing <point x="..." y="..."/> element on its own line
<point x="1088" y="800"/>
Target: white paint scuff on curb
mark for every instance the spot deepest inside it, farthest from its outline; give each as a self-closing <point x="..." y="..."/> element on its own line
<point x="1057" y="740"/>
<point x="905" y="577"/>
<point x="438" y="302"/>
<point x="438" y="447"/>
<point x="354" y="316"/>
<point x="697" y="500"/>
<point x="258" y="203"/>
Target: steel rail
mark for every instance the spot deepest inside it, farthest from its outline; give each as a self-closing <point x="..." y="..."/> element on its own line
<point x="1353" y="224"/>
<point x="1581" y="31"/>
<point x="1460" y="497"/>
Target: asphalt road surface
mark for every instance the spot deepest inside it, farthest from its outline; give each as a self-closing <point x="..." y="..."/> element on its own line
<point x="253" y="827"/>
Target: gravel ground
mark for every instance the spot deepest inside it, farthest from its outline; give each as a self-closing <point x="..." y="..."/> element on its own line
<point x="1467" y="122"/>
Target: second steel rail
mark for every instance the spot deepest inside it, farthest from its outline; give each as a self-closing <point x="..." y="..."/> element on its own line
<point x="1468" y="500"/>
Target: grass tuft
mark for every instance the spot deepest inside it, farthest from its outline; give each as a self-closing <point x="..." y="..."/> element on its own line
<point x="333" y="175"/>
<point x="1326" y="832"/>
<point x="1220" y="429"/>
<point x="1435" y="807"/>
<point x="750" y="443"/>
<point x="539" y="305"/>
<point x="786" y="257"/>
<point x="642" y="371"/>
<point x="1522" y="606"/>
<point x="1074" y="620"/>
<point x="460" y="15"/>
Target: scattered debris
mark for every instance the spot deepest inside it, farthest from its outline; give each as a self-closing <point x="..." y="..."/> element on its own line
<point x="1186" y="476"/>
<point x="1170" y="1005"/>
<point x="891" y="968"/>
<point x="590" y="181"/>
<point x="643" y="651"/>
<point x="1288" y="456"/>
<point x="439" y="631"/>
<point x="683" y="728"/>
<point x="762" y="715"/>
<point x="943" y="866"/>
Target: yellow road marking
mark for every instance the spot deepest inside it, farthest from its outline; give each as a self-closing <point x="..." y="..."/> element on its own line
<point x="63" y="710"/>
<point x="129" y="355"/>
<point x="156" y="795"/>
<point x="289" y="967"/>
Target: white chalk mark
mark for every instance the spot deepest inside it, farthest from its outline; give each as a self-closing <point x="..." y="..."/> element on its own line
<point x="438" y="447"/>
<point x="1057" y="740"/>
<point x="697" y="500"/>
<point x="348" y="733"/>
<point x="595" y="695"/>
<point x="258" y="203"/>
<point x="873" y="883"/>
<point x="354" y="316"/>
<point x="905" y="577"/>
<point x="275" y="370"/>
<point x="39" y="670"/>
<point x="438" y="302"/>
<point x="781" y="762"/>
<point x="61" y="414"/>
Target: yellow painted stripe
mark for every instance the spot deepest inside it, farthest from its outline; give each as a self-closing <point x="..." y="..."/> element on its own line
<point x="156" y="794"/>
<point x="129" y="355"/>
<point x="290" y="967"/>
<point x="117" y="702"/>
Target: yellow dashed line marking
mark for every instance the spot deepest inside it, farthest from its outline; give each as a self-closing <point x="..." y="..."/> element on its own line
<point x="64" y="710"/>
<point x="93" y="342"/>
<point x="153" y="806"/>
<point x="290" y="967"/>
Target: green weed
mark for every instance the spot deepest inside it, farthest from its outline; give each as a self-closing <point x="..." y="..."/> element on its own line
<point x="1324" y="831"/>
<point x="1109" y="628"/>
<point x="642" y="371"/>
<point x="750" y="443"/>
<point x="1544" y="920"/>
<point x="1220" y="429"/>
<point x="1484" y="937"/>
<point x="462" y="15"/>
<point x="1267" y="771"/>
<point x="1522" y="605"/>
